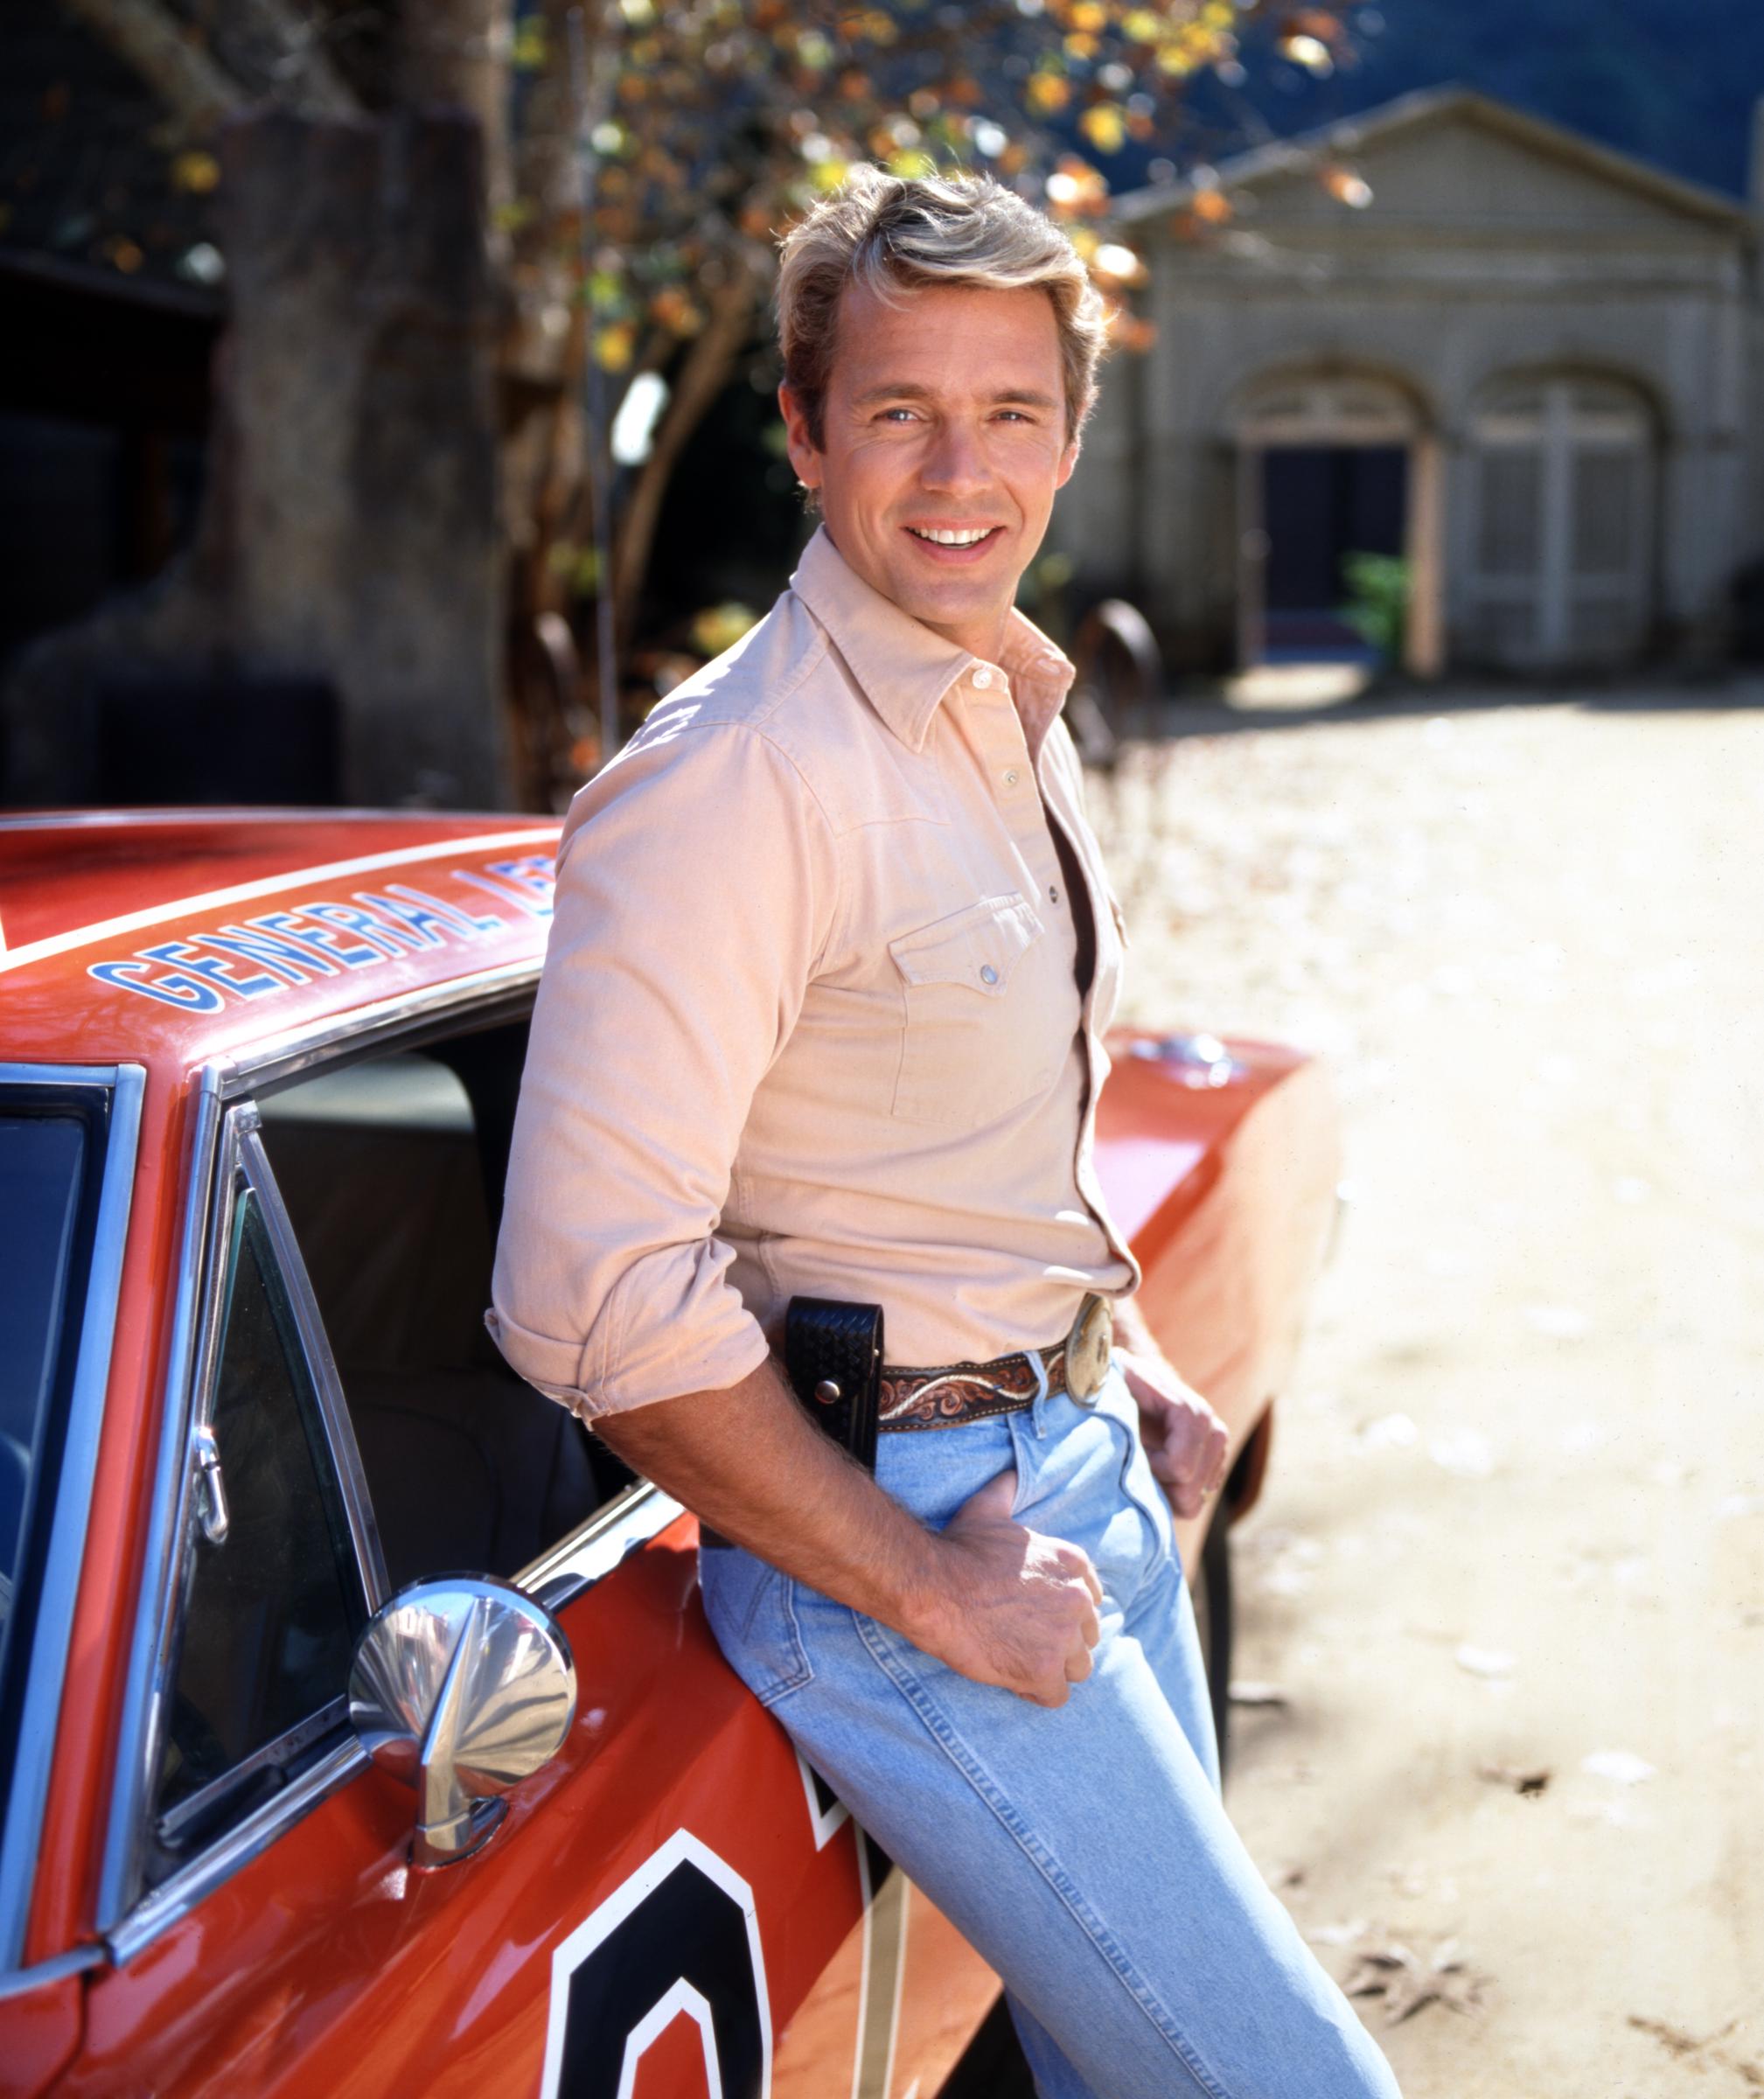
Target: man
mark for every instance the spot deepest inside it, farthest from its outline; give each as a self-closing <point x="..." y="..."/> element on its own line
<point x="822" y="1016"/>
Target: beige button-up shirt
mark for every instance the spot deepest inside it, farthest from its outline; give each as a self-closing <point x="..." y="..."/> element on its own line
<point x="809" y="1020"/>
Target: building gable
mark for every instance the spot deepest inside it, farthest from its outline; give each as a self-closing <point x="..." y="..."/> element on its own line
<point x="1457" y="162"/>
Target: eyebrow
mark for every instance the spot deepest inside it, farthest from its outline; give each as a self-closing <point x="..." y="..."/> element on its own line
<point x="906" y="390"/>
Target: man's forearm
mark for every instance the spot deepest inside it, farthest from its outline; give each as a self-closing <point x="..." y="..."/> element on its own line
<point x="994" y="1600"/>
<point x="749" y="1463"/>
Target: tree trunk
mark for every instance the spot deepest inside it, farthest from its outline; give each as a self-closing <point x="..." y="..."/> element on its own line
<point x="348" y="537"/>
<point x="545" y="455"/>
<point x="156" y="47"/>
<point x="454" y="53"/>
<point x="260" y="42"/>
<point x="361" y="421"/>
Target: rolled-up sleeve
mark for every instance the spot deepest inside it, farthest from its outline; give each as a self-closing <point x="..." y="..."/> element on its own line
<point x="696" y="886"/>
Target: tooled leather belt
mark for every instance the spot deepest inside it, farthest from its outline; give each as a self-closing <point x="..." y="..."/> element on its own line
<point x="954" y="1392"/>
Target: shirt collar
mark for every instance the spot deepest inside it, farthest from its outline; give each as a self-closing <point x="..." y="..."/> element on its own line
<point x="904" y="668"/>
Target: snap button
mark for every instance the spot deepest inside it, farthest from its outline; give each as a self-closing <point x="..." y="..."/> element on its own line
<point x="983" y="678"/>
<point x="989" y="975"/>
<point x="1053" y="892"/>
<point x="1011" y="776"/>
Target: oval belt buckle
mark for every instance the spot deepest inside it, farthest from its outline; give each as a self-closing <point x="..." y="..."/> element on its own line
<point x="1088" y="1349"/>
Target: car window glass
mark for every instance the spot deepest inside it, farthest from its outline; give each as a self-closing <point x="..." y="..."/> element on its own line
<point x="391" y="1172"/>
<point x="43" y="1161"/>
<point x="40" y="1161"/>
<point x="273" y="1607"/>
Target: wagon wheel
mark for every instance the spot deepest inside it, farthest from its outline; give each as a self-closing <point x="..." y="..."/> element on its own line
<point x="1119" y="672"/>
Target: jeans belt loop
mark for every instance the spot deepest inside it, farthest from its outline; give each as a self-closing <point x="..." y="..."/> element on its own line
<point x="1038" y="1412"/>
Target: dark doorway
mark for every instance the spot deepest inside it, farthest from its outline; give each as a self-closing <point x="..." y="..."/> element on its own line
<point x="1319" y="504"/>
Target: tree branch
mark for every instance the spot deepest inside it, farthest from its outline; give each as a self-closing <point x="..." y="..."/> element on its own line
<point x="293" y="56"/>
<point x="715" y="349"/>
<point x="156" y="46"/>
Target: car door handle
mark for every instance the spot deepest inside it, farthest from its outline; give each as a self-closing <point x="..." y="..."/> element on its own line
<point x="217" y="1518"/>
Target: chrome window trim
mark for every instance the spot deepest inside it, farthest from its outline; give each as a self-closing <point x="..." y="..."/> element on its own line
<point x="237" y="1158"/>
<point x="565" y="1571"/>
<point x="57" y="1968"/>
<point x="346" y="1457"/>
<point x="191" y="1339"/>
<point x="272" y="1062"/>
<point x="179" y="1893"/>
<point x="295" y="1742"/>
<point x="63" y="1075"/>
<point x="46" y="1676"/>
<point x="557" y="1577"/>
<point x="575" y="1564"/>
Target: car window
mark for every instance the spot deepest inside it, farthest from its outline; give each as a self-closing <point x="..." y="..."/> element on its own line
<point x="391" y="1172"/>
<point x="274" y="1600"/>
<point x="45" y="1158"/>
<point x="40" y="1162"/>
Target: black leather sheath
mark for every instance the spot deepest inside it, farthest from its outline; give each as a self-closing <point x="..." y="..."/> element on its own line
<point x="833" y="1355"/>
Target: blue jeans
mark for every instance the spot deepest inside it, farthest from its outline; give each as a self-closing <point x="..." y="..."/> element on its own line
<point x="1083" y="1851"/>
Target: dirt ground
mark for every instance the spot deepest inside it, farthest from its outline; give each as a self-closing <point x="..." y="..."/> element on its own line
<point x="1502" y="1609"/>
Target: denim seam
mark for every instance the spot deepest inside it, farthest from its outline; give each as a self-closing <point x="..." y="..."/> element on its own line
<point x="938" y="1726"/>
<point x="1163" y="1536"/>
<point x="805" y="1673"/>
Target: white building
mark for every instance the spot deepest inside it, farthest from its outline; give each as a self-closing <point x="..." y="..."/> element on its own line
<point x="1532" y="366"/>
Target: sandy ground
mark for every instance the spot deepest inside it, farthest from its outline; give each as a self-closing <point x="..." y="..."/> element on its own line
<point x="1507" y="1583"/>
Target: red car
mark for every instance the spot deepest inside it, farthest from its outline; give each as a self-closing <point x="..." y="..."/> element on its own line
<point x="278" y="1530"/>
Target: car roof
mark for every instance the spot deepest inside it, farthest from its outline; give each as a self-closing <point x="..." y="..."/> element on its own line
<point x="150" y="936"/>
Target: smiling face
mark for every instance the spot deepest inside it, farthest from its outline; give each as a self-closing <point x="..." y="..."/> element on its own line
<point x="943" y="442"/>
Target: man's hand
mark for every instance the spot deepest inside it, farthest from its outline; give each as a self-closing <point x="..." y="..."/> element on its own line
<point x="1017" y="1609"/>
<point x="998" y="1603"/>
<point x="1185" y="1440"/>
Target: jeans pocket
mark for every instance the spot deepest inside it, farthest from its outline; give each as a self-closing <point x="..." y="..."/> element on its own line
<point x="751" y="1607"/>
<point x="1141" y="1486"/>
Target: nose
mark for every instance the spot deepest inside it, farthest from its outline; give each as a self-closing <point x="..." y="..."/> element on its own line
<point x="955" y="462"/>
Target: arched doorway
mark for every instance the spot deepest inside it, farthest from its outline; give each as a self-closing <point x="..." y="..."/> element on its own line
<point x="1330" y="466"/>
<point x="1562" y="527"/>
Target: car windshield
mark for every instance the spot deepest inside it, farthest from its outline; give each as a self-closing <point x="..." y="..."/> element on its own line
<point x="43" y="1162"/>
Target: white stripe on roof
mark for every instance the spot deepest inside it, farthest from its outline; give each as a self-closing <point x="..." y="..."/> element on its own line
<point x="267" y="885"/>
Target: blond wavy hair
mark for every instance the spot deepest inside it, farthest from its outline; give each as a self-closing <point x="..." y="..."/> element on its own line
<point x="897" y="233"/>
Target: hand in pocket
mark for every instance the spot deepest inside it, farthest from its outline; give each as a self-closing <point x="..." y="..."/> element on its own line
<point x="1014" y="1607"/>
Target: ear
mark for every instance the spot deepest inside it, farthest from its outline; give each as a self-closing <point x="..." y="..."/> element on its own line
<point x="1069" y="459"/>
<point x="804" y="456"/>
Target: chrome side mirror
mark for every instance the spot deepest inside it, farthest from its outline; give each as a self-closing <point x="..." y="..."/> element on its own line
<point x="461" y="1687"/>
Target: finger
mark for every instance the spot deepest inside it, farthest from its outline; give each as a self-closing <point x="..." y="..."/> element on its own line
<point x="1137" y="1383"/>
<point x="1093" y="1583"/>
<point x="1092" y="1629"/>
<point x="1180" y="1476"/>
<point x="1078" y="1665"/>
<point x="992" y="1501"/>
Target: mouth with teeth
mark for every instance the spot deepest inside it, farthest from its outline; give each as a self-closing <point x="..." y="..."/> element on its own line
<point x="955" y="542"/>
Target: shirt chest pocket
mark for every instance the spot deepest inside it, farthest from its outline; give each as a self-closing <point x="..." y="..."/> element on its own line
<point x="980" y="1035"/>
